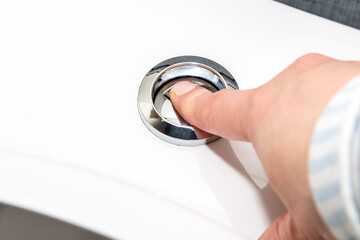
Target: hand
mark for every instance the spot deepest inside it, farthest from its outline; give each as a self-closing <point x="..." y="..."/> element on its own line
<point x="278" y="118"/>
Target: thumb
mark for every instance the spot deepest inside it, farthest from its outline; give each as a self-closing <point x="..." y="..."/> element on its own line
<point x="282" y="228"/>
<point x="225" y="113"/>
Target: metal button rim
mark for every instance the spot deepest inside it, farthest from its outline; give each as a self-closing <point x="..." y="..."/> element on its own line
<point x="157" y="124"/>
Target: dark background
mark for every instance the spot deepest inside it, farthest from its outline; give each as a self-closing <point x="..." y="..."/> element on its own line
<point x="346" y="12"/>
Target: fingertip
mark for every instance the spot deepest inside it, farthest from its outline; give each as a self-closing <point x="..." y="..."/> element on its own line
<point x="181" y="88"/>
<point x="186" y="97"/>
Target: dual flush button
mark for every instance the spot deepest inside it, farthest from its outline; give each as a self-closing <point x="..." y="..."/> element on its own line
<point x="154" y="104"/>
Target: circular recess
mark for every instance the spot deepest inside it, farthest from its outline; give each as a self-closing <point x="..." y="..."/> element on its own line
<point x="154" y="103"/>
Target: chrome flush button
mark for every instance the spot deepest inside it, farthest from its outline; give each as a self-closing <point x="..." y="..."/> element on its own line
<point x="154" y="104"/>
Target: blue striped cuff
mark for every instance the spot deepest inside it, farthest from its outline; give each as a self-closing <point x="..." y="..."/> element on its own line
<point x="334" y="163"/>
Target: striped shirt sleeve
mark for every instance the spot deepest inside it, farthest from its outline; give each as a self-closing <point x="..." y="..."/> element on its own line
<point x="334" y="163"/>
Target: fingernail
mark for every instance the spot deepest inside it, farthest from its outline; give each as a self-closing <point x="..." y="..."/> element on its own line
<point x="182" y="87"/>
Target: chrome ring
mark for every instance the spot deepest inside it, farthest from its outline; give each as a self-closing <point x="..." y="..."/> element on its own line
<point x="153" y="94"/>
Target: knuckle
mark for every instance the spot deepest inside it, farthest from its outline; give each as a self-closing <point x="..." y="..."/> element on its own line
<point x="210" y="105"/>
<point x="310" y="59"/>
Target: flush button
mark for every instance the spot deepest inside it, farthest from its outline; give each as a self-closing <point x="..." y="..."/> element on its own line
<point x="154" y="104"/>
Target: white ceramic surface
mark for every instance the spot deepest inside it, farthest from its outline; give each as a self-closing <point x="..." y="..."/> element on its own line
<point x="72" y="144"/>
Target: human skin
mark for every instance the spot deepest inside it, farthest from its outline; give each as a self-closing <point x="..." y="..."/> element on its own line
<point x="278" y="118"/>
